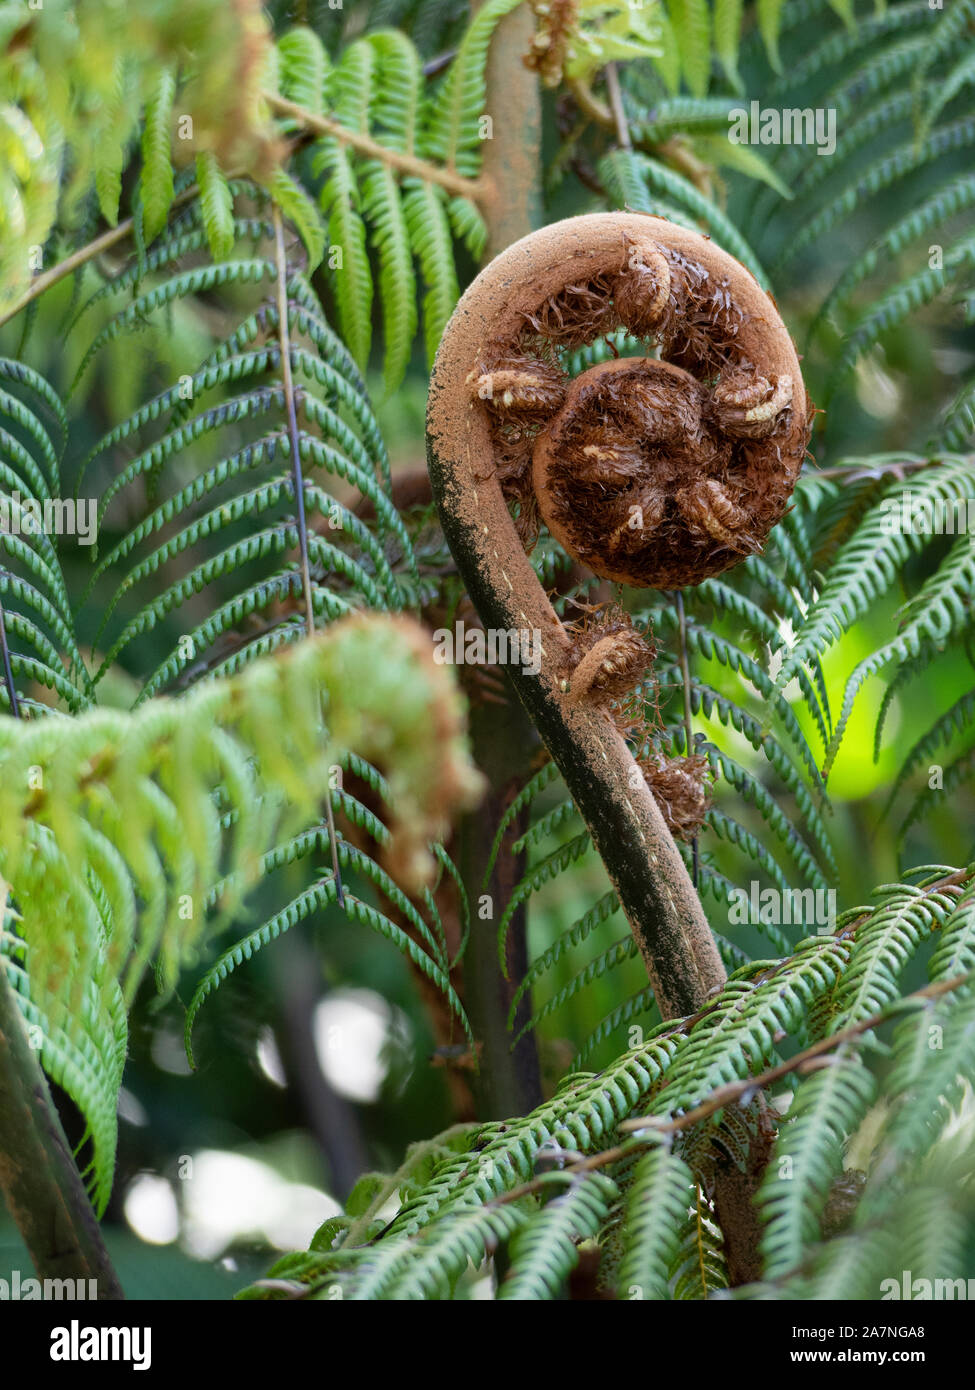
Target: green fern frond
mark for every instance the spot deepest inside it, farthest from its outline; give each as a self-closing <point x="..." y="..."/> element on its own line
<point x="451" y="126"/>
<point x="728" y="16"/>
<point x="938" y="612"/>
<point x="691" y="23"/>
<point x="633" y="178"/>
<point x="660" y="1196"/>
<point x="110" y="808"/>
<point x="828" y="1106"/>
<point x="545" y="1248"/>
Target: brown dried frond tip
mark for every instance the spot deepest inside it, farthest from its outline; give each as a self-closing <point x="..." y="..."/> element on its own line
<point x="550" y="45"/>
<point x="681" y="788"/>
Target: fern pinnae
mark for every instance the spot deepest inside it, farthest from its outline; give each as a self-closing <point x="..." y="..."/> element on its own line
<point x="769" y="14"/>
<point x="187" y="282"/>
<point x="350" y="89"/>
<point x="396" y="112"/>
<point x="728" y="600"/>
<point x="956" y="776"/>
<point x="600" y="912"/>
<point x="437" y="1259"/>
<point x="425" y="216"/>
<point x="960" y="134"/>
<point x="450" y="131"/>
<point x="156" y="180"/>
<point x="754" y="793"/>
<point x="712" y="646"/>
<point x="691" y="23"/>
<point x="955" y="952"/>
<point x="828" y="1105"/>
<point x="885" y="941"/>
<point x="673" y="185"/>
<point x="271" y="540"/>
<point x="305" y="66"/>
<point x="955" y="720"/>
<point x="837" y="47"/>
<point x="866" y="567"/>
<point x="536" y="877"/>
<point x="898" y="303"/>
<point x="657" y="1204"/>
<point x="317" y="896"/>
<point x="936" y="613"/>
<point x="699" y="1268"/>
<point x="949" y="200"/>
<point x="536" y="784"/>
<point x="609" y="1026"/>
<point x="216" y="205"/>
<point x="20" y="414"/>
<point x="546" y="825"/>
<point x="616" y="955"/>
<point x="545" y="1249"/>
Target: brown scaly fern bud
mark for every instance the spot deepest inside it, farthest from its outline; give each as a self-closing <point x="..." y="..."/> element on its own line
<point x="681" y="788"/>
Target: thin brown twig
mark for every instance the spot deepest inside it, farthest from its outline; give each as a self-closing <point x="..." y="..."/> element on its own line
<point x="104" y="242"/>
<point x="403" y="162"/>
<point x="616" y="106"/>
<point x="298" y="483"/>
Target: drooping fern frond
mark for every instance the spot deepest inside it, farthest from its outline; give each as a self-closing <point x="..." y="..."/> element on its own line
<point x="116" y="827"/>
<point x="37" y="612"/>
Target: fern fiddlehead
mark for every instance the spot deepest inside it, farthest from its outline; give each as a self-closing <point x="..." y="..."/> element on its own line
<point x="699" y="452"/>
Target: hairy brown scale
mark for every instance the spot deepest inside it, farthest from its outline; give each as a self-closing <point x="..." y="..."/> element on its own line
<point x="681" y="788"/>
<point x="655" y="472"/>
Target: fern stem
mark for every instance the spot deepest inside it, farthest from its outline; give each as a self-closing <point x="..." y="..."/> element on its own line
<point x="628" y="829"/>
<point x="512" y="204"/>
<point x="685" y="672"/>
<point x="8" y="674"/>
<point x="38" y="1176"/>
<point x="407" y="164"/>
<point x="298" y="481"/>
<point x="616" y="106"/>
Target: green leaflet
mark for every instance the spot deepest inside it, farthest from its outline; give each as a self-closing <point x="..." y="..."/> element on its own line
<point x="691" y="22"/>
<point x="217" y="204"/>
<point x="157" y="169"/>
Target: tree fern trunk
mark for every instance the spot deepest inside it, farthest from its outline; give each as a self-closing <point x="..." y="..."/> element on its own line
<point x="38" y="1176"/>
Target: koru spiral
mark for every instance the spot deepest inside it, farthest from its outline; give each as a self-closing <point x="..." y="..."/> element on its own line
<point x="654" y="471"/>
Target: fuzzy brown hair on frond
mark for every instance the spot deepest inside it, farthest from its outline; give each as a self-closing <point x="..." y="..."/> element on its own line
<point x="681" y="788"/>
<point x="607" y="656"/>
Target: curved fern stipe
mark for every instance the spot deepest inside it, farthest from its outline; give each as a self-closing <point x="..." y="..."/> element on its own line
<point x="704" y="446"/>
